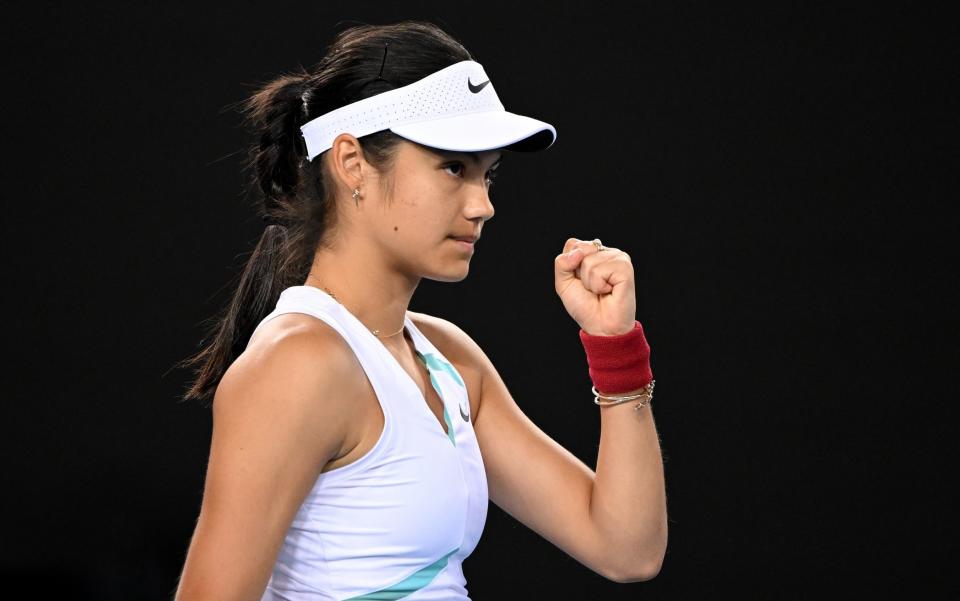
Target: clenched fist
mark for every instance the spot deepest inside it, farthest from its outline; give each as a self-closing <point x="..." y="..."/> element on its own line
<point x="596" y="287"/>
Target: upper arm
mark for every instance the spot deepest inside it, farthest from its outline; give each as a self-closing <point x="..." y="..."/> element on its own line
<point x="529" y="475"/>
<point x="280" y="414"/>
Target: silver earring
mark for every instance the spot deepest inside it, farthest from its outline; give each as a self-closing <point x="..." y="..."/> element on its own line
<point x="356" y="196"/>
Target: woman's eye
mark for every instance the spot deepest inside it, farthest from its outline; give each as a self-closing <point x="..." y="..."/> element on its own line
<point x="491" y="175"/>
<point x="456" y="166"/>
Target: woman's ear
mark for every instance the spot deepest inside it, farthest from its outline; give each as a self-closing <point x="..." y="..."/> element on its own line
<point x="347" y="163"/>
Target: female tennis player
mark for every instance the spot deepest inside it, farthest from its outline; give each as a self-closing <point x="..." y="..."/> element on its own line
<point x="356" y="444"/>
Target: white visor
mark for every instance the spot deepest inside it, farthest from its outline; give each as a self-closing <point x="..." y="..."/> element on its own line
<point x="455" y="108"/>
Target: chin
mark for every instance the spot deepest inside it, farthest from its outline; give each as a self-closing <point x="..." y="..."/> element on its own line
<point x="451" y="276"/>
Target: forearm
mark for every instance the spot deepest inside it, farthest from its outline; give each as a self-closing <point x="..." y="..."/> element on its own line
<point x="628" y="501"/>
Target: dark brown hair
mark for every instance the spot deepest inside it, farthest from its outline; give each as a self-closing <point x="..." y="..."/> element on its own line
<point x="361" y="61"/>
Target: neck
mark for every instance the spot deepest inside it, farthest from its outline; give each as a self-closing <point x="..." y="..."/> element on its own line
<point x="372" y="290"/>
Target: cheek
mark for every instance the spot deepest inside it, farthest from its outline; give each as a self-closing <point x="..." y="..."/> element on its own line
<point x="422" y="211"/>
<point x="419" y="225"/>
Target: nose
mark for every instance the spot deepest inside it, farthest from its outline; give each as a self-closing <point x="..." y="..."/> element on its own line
<point x="479" y="205"/>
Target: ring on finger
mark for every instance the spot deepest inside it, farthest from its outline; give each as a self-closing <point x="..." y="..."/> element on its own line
<point x="596" y="242"/>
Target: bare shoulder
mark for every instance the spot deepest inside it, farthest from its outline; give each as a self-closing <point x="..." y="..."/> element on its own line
<point x="297" y="366"/>
<point x="293" y="344"/>
<point x="296" y="329"/>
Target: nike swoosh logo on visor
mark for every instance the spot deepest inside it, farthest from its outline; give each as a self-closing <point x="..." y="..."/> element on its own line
<point x="478" y="87"/>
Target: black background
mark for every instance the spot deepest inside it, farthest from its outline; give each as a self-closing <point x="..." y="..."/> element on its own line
<point x="780" y="174"/>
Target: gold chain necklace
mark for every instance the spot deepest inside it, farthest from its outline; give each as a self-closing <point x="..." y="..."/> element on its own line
<point x="376" y="332"/>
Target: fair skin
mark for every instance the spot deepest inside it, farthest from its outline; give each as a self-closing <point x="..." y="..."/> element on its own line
<point x="297" y="402"/>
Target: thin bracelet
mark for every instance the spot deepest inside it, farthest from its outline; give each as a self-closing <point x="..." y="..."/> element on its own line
<point x="646" y="395"/>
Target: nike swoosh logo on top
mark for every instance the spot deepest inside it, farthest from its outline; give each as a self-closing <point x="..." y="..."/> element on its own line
<point x="466" y="418"/>
<point x="478" y="87"/>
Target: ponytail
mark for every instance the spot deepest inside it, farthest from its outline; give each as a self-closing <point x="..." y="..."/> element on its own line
<point x="283" y="255"/>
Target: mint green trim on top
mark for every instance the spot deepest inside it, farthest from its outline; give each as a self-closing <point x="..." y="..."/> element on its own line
<point x="435" y="362"/>
<point x="446" y="416"/>
<point x="408" y="585"/>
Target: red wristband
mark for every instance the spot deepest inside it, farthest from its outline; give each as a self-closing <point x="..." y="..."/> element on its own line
<point x="618" y="363"/>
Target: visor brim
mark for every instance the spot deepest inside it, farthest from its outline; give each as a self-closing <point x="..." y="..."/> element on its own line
<point x="476" y="132"/>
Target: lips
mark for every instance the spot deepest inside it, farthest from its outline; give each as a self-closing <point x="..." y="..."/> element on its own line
<point x="470" y="239"/>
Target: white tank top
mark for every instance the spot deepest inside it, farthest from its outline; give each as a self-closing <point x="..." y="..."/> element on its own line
<point x="398" y="522"/>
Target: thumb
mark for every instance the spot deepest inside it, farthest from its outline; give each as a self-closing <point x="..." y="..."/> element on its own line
<point x="565" y="265"/>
